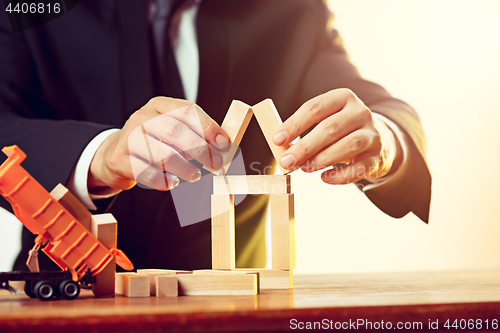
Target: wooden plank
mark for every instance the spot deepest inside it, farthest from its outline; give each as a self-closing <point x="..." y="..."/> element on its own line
<point x="282" y="231"/>
<point x="269" y="120"/>
<point x="104" y="228"/>
<point x="223" y="284"/>
<point x="212" y="271"/>
<point x="161" y="283"/>
<point x="272" y="278"/>
<point x="223" y="250"/>
<point x="225" y="271"/>
<point x="163" y="271"/>
<point x="260" y="184"/>
<point x="235" y="124"/>
<point x="72" y="204"/>
<point x="132" y="284"/>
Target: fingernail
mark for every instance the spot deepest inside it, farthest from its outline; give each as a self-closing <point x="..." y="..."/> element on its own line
<point x="174" y="181"/>
<point x="221" y="141"/>
<point x="280" y="138"/>
<point x="287" y="161"/>
<point x="196" y="176"/>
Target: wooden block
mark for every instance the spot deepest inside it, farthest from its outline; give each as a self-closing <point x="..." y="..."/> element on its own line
<point x="235" y="124"/>
<point x="104" y="228"/>
<point x="162" y="284"/>
<point x="269" y="120"/>
<point x="210" y="271"/>
<point x="163" y="271"/>
<point x="272" y="278"/>
<point x="217" y="284"/>
<point x="223" y="250"/>
<point x="132" y="284"/>
<point x="282" y="231"/>
<point x="225" y="271"/>
<point x="264" y="184"/>
<point x="236" y="120"/>
<point x="165" y="285"/>
<point x="72" y="204"/>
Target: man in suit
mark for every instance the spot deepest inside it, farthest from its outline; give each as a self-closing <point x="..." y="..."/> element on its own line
<point x="73" y="89"/>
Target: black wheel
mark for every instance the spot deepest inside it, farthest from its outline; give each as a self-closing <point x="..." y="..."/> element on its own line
<point x="43" y="290"/>
<point x="28" y="290"/>
<point x="69" y="289"/>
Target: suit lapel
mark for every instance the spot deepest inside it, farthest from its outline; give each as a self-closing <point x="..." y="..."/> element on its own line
<point x="136" y="65"/>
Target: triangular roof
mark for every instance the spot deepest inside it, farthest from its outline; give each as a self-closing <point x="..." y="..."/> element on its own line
<point x="236" y="122"/>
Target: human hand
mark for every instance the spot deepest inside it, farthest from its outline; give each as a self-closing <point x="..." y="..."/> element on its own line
<point x="155" y="145"/>
<point x="347" y="132"/>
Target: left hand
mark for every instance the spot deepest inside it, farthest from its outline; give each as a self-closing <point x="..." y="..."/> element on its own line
<point x="347" y="132"/>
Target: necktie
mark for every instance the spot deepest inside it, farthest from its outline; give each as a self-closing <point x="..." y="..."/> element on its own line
<point x="167" y="77"/>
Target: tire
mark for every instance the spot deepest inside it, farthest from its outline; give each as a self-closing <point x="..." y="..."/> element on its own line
<point x="69" y="289"/>
<point x="43" y="290"/>
<point x="28" y="290"/>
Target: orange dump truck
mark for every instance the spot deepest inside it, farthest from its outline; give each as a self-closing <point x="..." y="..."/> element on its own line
<point x="66" y="241"/>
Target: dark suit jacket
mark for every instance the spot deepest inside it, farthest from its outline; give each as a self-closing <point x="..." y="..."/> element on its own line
<point x="65" y="81"/>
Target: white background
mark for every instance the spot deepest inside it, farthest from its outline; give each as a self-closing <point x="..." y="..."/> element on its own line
<point x="442" y="57"/>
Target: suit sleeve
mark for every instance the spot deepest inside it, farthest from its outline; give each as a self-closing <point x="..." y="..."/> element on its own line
<point x="53" y="145"/>
<point x="329" y="69"/>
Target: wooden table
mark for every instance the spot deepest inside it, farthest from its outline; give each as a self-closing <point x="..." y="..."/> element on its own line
<point x="334" y="299"/>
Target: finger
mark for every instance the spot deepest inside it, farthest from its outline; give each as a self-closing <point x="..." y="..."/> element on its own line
<point x="325" y="134"/>
<point x="183" y="153"/>
<point x="173" y="132"/>
<point x="193" y="116"/>
<point x="312" y="112"/>
<point x="344" y="150"/>
<point x="147" y="175"/>
<point x="161" y="156"/>
<point x="202" y="124"/>
<point x="362" y="168"/>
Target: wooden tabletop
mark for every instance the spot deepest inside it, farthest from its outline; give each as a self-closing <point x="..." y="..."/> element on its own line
<point x="333" y="299"/>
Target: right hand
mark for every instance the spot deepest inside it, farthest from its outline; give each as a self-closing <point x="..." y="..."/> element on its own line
<point x="162" y="136"/>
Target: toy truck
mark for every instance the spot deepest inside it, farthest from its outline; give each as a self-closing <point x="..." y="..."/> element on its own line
<point x="44" y="285"/>
<point x="60" y="236"/>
